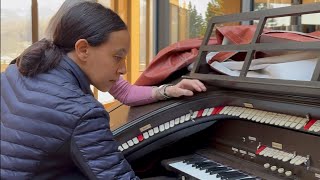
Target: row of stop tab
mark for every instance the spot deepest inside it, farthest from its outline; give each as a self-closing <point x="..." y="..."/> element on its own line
<point x="277" y="154"/>
<point x="277" y="119"/>
<point x="259" y="116"/>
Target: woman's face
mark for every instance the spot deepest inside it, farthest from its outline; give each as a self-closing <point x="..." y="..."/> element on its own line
<point x="105" y="63"/>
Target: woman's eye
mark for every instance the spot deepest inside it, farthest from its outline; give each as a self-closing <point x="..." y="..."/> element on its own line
<point x="118" y="58"/>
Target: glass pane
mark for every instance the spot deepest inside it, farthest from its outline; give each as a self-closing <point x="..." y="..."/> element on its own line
<point x="310" y="22"/>
<point x="106" y="3"/>
<point x="46" y="9"/>
<point x="15" y="29"/>
<point x="281" y="23"/>
<point x="195" y="14"/>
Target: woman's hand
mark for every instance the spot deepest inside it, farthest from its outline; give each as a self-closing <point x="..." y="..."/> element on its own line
<point x="185" y="87"/>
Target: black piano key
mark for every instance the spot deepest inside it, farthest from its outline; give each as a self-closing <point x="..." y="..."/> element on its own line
<point x="216" y="170"/>
<point x="237" y="177"/>
<point x="200" y="164"/>
<point x="203" y="167"/>
<point x="193" y="160"/>
<point x="228" y="174"/>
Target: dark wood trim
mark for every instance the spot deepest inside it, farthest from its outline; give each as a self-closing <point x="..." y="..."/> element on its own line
<point x="34" y="21"/>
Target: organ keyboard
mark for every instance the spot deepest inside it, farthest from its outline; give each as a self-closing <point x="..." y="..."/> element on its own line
<point x="202" y="168"/>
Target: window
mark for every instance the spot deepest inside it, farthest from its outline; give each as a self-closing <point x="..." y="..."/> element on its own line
<point x="106" y="3"/>
<point x="189" y="18"/>
<point x="305" y="23"/>
<point x="16" y="34"/>
<point x="46" y="9"/>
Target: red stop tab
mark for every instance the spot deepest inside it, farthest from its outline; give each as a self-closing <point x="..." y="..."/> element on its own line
<point x="140" y="137"/>
<point x="200" y="113"/>
<point x="309" y="124"/>
<point x="217" y="109"/>
<point x="261" y="148"/>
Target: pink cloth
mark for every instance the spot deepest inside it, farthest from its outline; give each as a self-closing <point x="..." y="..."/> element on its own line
<point x="131" y="95"/>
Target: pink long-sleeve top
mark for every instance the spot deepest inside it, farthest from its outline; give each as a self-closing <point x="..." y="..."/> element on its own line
<point x="131" y="95"/>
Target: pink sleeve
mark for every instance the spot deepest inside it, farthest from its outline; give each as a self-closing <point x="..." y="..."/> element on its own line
<point x="131" y="95"/>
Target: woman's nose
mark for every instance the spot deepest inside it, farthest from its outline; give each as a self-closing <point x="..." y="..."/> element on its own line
<point x="122" y="69"/>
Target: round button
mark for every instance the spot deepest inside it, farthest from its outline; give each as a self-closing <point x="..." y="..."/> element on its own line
<point x="280" y="170"/>
<point x="288" y="173"/>
<point x="273" y="168"/>
<point x="266" y="165"/>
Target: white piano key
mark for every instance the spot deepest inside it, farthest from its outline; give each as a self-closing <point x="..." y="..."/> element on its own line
<point x="156" y="130"/>
<point x="135" y="140"/>
<point x="210" y="111"/>
<point x="177" y="121"/>
<point x="151" y="132"/>
<point x="145" y="135"/>
<point x="182" y="119"/>
<point x="130" y="143"/>
<point x="192" y="171"/>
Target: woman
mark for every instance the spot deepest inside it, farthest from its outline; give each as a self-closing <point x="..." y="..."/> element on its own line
<point x="122" y="90"/>
<point x="50" y="122"/>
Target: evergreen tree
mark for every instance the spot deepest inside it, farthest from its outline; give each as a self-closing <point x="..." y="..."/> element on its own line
<point x="214" y="8"/>
<point x="196" y="22"/>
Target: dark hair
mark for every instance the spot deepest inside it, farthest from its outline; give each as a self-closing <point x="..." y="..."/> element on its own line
<point x="90" y="21"/>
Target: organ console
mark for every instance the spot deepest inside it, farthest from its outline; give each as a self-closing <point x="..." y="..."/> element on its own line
<point x="241" y="128"/>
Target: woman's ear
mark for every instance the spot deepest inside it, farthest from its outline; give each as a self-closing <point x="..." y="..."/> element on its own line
<point x="82" y="49"/>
